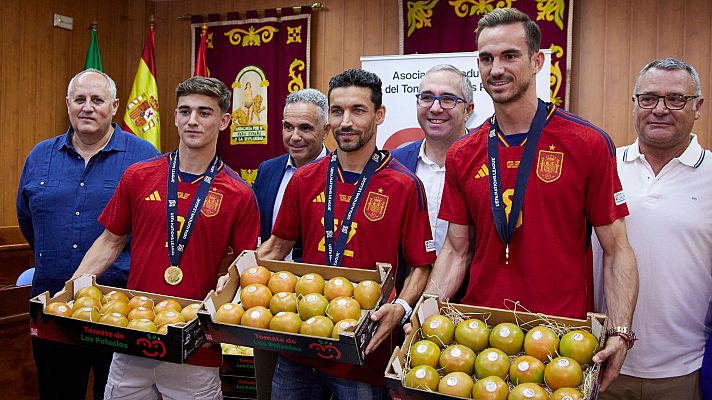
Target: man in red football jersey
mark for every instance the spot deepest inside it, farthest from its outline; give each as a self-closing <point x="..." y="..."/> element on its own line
<point x="531" y="182"/>
<point x="201" y="206"/>
<point x="353" y="209"/>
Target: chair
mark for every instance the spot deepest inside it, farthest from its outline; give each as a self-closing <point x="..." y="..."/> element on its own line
<point x="25" y="278"/>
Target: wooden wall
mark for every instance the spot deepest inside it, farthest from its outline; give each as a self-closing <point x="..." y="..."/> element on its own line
<point x="612" y="41"/>
<point x="37" y="62"/>
<point x="341" y="33"/>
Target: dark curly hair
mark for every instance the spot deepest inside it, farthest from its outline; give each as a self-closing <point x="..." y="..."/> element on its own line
<point x="360" y="78"/>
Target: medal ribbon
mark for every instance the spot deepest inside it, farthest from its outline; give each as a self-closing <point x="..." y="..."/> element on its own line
<point x="505" y="228"/>
<point x="335" y="251"/>
<point x="176" y="245"/>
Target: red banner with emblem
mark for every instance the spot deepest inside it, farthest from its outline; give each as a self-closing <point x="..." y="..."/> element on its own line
<point x="262" y="60"/>
<point x="445" y="26"/>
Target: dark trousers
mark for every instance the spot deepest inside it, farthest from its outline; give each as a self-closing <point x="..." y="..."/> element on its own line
<point x="296" y="381"/>
<point x="706" y="371"/>
<point x="265" y="363"/>
<point x="63" y="370"/>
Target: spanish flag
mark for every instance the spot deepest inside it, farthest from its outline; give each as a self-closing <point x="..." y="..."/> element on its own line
<point x="141" y="117"/>
<point x="201" y="67"/>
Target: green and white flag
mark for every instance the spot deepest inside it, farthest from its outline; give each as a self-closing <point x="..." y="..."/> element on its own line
<point x="93" y="55"/>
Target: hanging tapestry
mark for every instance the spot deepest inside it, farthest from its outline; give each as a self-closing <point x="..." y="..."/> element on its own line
<point x="262" y="60"/>
<point x="445" y="26"/>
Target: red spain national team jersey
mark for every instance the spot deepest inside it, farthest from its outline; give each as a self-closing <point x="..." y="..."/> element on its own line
<point x="573" y="185"/>
<point x="229" y="217"/>
<point x="392" y="215"/>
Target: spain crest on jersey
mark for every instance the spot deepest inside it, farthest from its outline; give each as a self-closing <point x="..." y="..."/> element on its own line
<point x="211" y="206"/>
<point x="549" y="165"/>
<point x="375" y="207"/>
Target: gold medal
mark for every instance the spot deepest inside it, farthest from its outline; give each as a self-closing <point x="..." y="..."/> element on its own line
<point x="173" y="275"/>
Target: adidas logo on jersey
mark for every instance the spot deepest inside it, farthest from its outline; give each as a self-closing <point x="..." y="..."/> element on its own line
<point x="319" y="198"/>
<point x="154" y="196"/>
<point x="484" y="171"/>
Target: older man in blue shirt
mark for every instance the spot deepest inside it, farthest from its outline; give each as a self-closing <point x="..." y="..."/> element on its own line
<point x="66" y="182"/>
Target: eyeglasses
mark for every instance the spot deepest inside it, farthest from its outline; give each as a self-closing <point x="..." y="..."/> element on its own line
<point x="672" y="101"/>
<point x="447" y="101"/>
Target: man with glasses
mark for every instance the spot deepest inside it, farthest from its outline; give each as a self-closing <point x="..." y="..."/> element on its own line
<point x="532" y="181"/>
<point x="443" y="106"/>
<point x="667" y="177"/>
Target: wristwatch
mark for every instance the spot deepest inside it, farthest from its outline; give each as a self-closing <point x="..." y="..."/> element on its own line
<point x="406" y="307"/>
<point x="624" y="333"/>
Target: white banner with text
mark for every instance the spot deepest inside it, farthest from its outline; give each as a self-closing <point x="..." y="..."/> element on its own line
<point x="401" y="76"/>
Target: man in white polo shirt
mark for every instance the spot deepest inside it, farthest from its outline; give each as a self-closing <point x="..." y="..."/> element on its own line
<point x="667" y="178"/>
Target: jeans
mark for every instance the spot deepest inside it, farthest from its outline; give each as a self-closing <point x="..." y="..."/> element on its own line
<point x="706" y="371"/>
<point x="295" y="381"/>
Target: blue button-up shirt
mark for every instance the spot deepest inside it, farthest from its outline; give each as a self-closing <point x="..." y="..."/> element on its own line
<point x="59" y="200"/>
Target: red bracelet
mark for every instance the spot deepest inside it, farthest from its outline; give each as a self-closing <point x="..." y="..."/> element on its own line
<point x="624" y="333"/>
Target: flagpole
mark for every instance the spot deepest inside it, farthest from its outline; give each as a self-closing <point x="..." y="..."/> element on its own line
<point x="93" y="59"/>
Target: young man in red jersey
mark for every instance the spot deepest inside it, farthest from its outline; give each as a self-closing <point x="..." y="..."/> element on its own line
<point x="353" y="209"/>
<point x="183" y="210"/>
<point x="532" y="181"/>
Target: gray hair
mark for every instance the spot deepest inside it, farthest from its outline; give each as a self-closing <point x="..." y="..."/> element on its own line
<point x="312" y="96"/>
<point x="112" y="84"/>
<point x="670" y="64"/>
<point x="465" y="84"/>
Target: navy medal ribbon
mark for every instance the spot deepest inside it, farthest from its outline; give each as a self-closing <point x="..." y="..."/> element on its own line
<point x="177" y="244"/>
<point x="335" y="249"/>
<point x="505" y="227"/>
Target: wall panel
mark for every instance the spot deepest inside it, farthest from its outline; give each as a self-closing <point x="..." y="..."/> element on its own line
<point x="616" y="80"/>
<point x="610" y="51"/>
<point x="612" y="40"/>
<point x="38" y="61"/>
<point x="373" y="32"/>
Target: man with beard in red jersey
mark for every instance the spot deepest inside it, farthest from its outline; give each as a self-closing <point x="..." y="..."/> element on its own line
<point x="532" y="181"/>
<point x="353" y="209"/>
<point x="183" y="209"/>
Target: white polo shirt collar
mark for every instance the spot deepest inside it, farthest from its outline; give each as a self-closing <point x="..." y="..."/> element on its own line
<point x="693" y="155"/>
